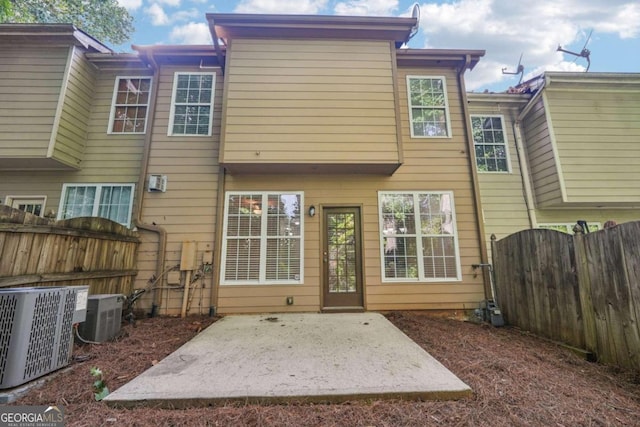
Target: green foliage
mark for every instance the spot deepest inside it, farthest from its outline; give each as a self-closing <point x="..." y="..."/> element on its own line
<point x="105" y="20"/>
<point x="100" y="390"/>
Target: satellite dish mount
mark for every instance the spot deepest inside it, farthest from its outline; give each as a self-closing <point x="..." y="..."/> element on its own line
<point x="415" y="13"/>
<point x="584" y="53"/>
<point x="519" y="69"/>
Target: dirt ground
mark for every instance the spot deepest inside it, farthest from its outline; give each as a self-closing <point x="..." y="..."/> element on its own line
<point x="517" y="379"/>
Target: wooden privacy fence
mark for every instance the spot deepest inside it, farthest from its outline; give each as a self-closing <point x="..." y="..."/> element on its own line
<point x="80" y="251"/>
<point x="583" y="290"/>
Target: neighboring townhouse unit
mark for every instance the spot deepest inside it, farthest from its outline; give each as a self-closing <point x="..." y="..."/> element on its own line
<point x="300" y="163"/>
<point x="560" y="148"/>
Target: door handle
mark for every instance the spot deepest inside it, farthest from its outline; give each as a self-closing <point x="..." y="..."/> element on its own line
<point x="324" y="258"/>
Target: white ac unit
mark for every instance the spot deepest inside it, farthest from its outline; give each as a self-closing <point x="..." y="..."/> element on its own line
<point x="157" y="183"/>
<point x="104" y="317"/>
<point x="36" y="330"/>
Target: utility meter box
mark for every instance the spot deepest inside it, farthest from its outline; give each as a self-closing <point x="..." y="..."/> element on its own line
<point x="104" y="317"/>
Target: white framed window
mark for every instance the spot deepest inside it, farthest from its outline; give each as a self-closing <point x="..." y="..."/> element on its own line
<point x="130" y="105"/>
<point x="262" y="238"/>
<point x="490" y="142"/>
<point x="32" y="204"/>
<point x="428" y="107"/>
<point x="418" y="236"/>
<point x="192" y="104"/>
<point x="111" y="201"/>
<point x="568" y="227"/>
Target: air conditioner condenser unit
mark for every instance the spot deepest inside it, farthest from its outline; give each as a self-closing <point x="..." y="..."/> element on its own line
<point x="36" y="330"/>
<point x="104" y="317"/>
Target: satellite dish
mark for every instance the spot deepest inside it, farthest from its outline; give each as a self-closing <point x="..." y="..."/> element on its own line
<point x="415" y="13"/>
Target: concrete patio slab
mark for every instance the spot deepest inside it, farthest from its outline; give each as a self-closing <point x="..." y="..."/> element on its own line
<point x="280" y="358"/>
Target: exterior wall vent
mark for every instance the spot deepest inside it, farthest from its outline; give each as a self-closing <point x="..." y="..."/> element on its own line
<point x="157" y="183"/>
<point x="104" y="316"/>
<point x="36" y="330"/>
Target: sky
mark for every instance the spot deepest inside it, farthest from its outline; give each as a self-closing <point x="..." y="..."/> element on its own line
<point x="506" y="29"/>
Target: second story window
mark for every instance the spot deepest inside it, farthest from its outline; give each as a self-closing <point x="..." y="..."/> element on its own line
<point x="130" y="105"/>
<point x="428" y="107"/>
<point x="490" y="143"/>
<point x="192" y="104"/>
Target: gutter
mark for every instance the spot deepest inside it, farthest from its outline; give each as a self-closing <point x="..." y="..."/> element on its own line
<point x="137" y="221"/>
<point x="474" y="173"/>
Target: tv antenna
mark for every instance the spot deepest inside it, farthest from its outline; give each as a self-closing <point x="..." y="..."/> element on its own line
<point x="519" y="69"/>
<point x="584" y="53"/>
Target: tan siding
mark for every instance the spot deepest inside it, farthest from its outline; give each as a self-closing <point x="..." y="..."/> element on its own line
<point x="30" y="82"/>
<point x="545" y="179"/>
<point x="188" y="208"/>
<point x="430" y="165"/>
<point x="600" y="164"/>
<point x="310" y="101"/>
<point x="107" y="158"/>
<point x="71" y="136"/>
<point x="503" y="201"/>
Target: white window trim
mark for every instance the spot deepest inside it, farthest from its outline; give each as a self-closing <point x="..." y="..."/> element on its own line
<point x="94" y="212"/>
<point x="569" y="225"/>
<point x="421" y="276"/>
<point x="173" y="103"/>
<point x="8" y="200"/>
<point x="113" y="106"/>
<point x="506" y="144"/>
<point x="263" y="241"/>
<point x="446" y="106"/>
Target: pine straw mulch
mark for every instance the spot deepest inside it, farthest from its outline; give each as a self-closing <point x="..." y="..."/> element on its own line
<point x="517" y="379"/>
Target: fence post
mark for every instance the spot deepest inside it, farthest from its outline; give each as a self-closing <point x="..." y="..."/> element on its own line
<point x="587" y="310"/>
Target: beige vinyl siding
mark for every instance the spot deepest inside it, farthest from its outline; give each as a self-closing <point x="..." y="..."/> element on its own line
<point x="187" y="210"/>
<point x="311" y="101"/>
<point x="502" y="194"/>
<point x="107" y="158"/>
<point x="30" y="82"/>
<point x="430" y="165"/>
<point x="542" y="163"/>
<point x="71" y="135"/>
<point x="597" y="134"/>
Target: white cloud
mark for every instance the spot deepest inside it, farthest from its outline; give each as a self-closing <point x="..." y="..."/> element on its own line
<point x="130" y="5"/>
<point x="191" y="33"/>
<point x="157" y="15"/>
<point x="311" y="7"/>
<point x="506" y="29"/>
<point x="186" y="15"/>
<point x="366" y="7"/>
<point x="174" y="3"/>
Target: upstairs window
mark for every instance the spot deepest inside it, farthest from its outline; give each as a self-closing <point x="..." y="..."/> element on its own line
<point x="262" y="238"/>
<point x="428" y="107"/>
<point x="192" y="104"/>
<point x="130" y="105"/>
<point x="568" y="227"/>
<point x="418" y="239"/>
<point x="490" y="143"/>
<point x="111" y="201"/>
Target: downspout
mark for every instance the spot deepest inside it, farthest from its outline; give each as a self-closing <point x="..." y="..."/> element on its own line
<point x="137" y="221"/>
<point x="522" y="158"/>
<point x="217" y="243"/>
<point x="474" y="173"/>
